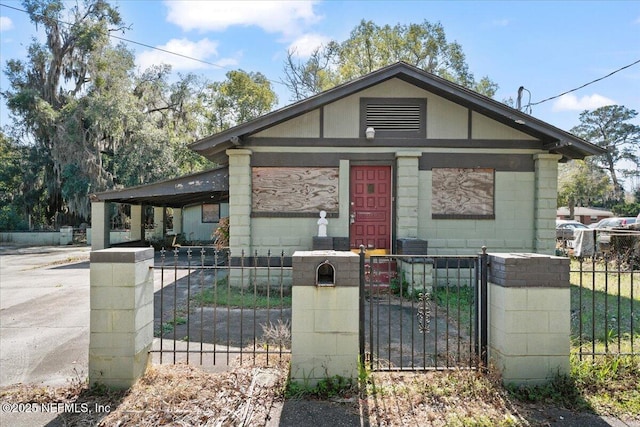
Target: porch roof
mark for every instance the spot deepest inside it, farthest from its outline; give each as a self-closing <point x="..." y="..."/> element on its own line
<point x="208" y="186"/>
<point x="553" y="139"/>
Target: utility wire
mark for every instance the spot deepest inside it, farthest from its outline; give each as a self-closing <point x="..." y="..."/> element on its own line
<point x="584" y="85"/>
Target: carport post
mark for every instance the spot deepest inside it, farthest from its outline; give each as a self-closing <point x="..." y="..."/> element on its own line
<point x="100" y="225"/>
<point x="121" y="325"/>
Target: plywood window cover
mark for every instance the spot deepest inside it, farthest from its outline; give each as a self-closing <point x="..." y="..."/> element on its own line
<point x="463" y="193"/>
<point x="294" y="191"/>
<point x="210" y="212"/>
<point x="394" y="117"/>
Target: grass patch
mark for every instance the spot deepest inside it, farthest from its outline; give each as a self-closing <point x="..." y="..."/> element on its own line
<point x="605" y="308"/>
<point x="459" y="301"/>
<point x="607" y="385"/>
<point x="224" y="295"/>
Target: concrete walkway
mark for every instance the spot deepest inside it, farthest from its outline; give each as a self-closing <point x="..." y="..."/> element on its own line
<point x="44" y="314"/>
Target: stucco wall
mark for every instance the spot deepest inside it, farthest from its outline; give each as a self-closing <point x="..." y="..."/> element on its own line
<point x="445" y="119"/>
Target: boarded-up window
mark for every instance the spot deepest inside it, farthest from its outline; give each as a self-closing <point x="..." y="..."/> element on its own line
<point x="210" y="212"/>
<point x="294" y="191"/>
<point x="462" y="193"/>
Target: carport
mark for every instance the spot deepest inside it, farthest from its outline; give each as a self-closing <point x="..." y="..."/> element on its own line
<point x="211" y="186"/>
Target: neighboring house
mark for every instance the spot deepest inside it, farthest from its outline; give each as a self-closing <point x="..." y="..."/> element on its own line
<point x="398" y="153"/>
<point x="584" y="215"/>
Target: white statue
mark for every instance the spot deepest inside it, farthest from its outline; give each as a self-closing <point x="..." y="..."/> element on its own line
<point x="322" y="224"/>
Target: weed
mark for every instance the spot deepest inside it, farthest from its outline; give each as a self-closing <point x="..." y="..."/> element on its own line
<point x="399" y="286"/>
<point x="326" y="388"/>
<point x="277" y="334"/>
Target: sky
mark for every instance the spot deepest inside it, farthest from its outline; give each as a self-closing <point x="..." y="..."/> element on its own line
<point x="549" y="47"/>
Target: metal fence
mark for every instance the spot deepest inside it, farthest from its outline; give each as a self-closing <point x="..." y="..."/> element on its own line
<point x="605" y="315"/>
<point x="211" y="307"/>
<point x="421" y="312"/>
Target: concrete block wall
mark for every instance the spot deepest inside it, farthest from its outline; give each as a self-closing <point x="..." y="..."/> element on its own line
<point x="407" y="193"/>
<point x="121" y="322"/>
<point x="529" y="317"/>
<point x="512" y="230"/>
<point x="419" y="275"/>
<point x="324" y="319"/>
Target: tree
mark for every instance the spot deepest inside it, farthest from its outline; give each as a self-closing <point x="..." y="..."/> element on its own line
<point x="91" y="122"/>
<point x="580" y="183"/>
<point x="609" y="127"/>
<point x="241" y="97"/>
<point x="44" y="90"/>
<point x="371" y="47"/>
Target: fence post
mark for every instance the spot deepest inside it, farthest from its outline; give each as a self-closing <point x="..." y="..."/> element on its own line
<point x="361" y="307"/>
<point x="529" y="316"/>
<point x="324" y="322"/>
<point x="121" y="324"/>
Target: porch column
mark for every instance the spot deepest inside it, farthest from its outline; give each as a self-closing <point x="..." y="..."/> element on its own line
<point x="545" y="202"/>
<point x="159" y="222"/>
<point x="177" y="221"/>
<point x="407" y="193"/>
<point x="239" y="199"/>
<point x="137" y="225"/>
<point x="100" y="225"/>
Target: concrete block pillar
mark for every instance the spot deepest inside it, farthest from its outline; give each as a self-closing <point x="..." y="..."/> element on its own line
<point x="100" y="225"/>
<point x="177" y="221"/>
<point x="546" y="202"/>
<point x="325" y="316"/>
<point x="239" y="200"/>
<point x="407" y="194"/>
<point x="121" y="325"/>
<point x="529" y="317"/>
<point x="137" y="223"/>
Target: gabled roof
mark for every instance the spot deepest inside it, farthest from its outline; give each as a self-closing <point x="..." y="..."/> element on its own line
<point x="554" y="139"/>
<point x="208" y="186"/>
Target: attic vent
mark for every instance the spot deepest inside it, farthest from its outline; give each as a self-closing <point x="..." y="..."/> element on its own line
<point x="394" y="117"/>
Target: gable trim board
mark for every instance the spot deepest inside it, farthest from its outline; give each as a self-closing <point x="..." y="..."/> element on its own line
<point x="553" y="139"/>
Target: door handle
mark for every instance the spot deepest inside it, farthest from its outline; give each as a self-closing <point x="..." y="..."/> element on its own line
<point x="352" y="218"/>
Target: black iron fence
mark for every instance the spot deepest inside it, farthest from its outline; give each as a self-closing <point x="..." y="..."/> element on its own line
<point x="211" y="307"/>
<point x="421" y="312"/>
<point x="605" y="305"/>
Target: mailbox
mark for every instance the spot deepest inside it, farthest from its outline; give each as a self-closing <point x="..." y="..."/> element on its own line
<point x="325" y="274"/>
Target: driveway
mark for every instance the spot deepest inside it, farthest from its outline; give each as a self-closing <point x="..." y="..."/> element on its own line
<point x="44" y="314"/>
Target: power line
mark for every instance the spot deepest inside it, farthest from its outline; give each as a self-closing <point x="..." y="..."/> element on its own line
<point x="144" y="45"/>
<point x="584" y="85"/>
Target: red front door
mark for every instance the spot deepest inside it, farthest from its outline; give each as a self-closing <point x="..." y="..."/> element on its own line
<point x="370" y="207"/>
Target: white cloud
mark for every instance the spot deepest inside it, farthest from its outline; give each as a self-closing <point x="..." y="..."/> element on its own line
<point x="304" y="45"/>
<point x="5" y="24"/>
<point x="204" y="50"/>
<point x="571" y="102"/>
<point x="285" y="17"/>
<point x="500" y="22"/>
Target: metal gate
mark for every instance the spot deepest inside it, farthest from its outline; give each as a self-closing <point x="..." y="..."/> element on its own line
<point x="211" y="308"/>
<point x="422" y="312"/>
